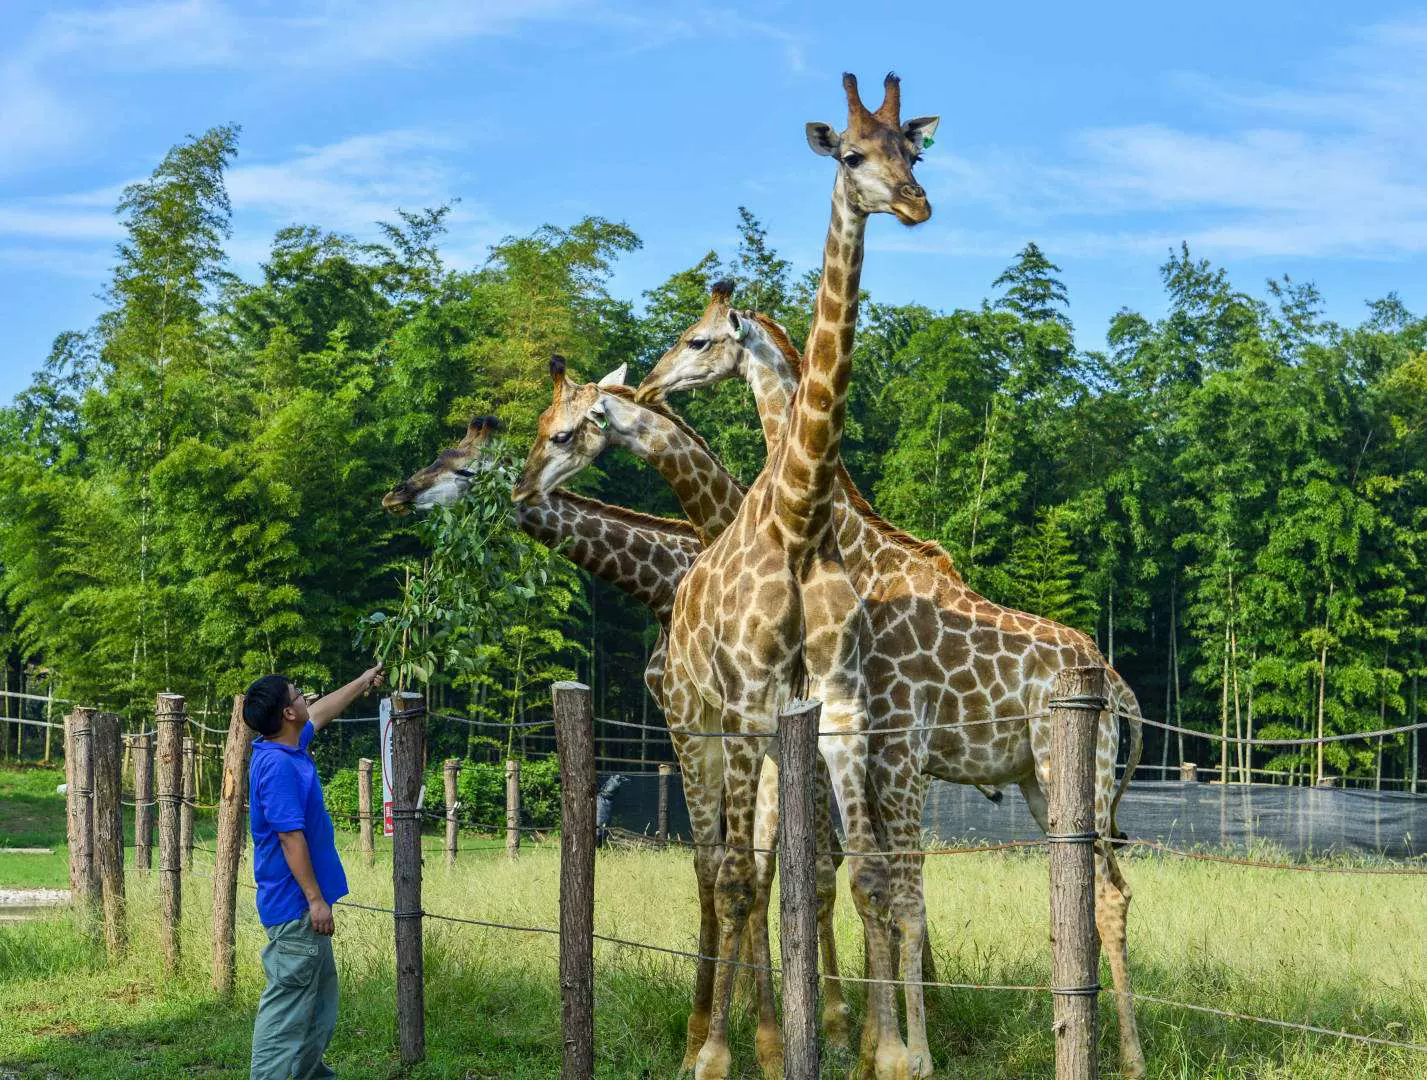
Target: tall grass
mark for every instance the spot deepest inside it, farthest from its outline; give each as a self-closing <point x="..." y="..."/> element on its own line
<point x="1337" y="951"/>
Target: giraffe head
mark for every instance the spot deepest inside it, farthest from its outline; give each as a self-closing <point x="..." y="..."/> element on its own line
<point x="708" y="352"/>
<point x="570" y="434"/>
<point x="447" y="478"/>
<point x="876" y="152"/>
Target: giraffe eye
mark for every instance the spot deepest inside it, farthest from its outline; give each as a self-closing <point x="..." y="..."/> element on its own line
<point x="466" y="473"/>
<point x="852" y="159"/>
<point x="560" y="438"/>
<point x="698" y="343"/>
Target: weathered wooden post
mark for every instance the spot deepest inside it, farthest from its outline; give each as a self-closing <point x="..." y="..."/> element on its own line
<point x="408" y="755"/>
<point x="575" y="744"/>
<point x="232" y="798"/>
<point x="449" y="770"/>
<point x="798" y="888"/>
<point x="79" y="777"/>
<point x="170" y="721"/>
<point x="661" y="829"/>
<point x="109" y="832"/>
<point x="185" y="809"/>
<point x="1189" y="772"/>
<point x="1075" y="706"/>
<point x="364" y="810"/>
<point x="141" y="753"/>
<point x="512" y="809"/>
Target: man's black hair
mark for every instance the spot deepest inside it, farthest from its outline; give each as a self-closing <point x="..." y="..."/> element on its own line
<point x="264" y="701"/>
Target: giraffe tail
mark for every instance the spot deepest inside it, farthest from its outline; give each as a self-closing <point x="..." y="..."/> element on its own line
<point x="1122" y="700"/>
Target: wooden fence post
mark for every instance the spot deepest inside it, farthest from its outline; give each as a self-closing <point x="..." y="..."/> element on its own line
<point x="408" y="754"/>
<point x="512" y="809"/>
<point x="109" y="832"/>
<point x="798" y="891"/>
<point x="232" y="798"/>
<point x="1075" y="706"/>
<point x="575" y="743"/>
<point x="170" y="721"/>
<point x="1189" y="772"/>
<point x="661" y="829"/>
<point x="364" y="810"/>
<point x="79" y="774"/>
<point x="185" y="809"/>
<point x="141" y="753"/>
<point x="450" y="770"/>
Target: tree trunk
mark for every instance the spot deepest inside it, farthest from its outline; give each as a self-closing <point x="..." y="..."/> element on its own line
<point x="1224" y="714"/>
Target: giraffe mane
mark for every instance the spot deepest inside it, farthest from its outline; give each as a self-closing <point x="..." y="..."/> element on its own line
<point x="928" y="549"/>
<point x="673" y="417"/>
<point x="677" y="526"/>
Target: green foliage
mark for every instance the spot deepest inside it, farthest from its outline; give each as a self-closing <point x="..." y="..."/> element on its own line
<point x="189" y="490"/>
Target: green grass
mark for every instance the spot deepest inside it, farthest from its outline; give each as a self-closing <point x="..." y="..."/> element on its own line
<point x="1337" y="951"/>
<point x="32" y="816"/>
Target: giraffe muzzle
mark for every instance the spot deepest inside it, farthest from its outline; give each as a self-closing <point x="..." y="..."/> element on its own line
<point x="911" y="205"/>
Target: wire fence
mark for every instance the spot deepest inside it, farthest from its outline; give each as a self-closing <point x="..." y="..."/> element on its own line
<point x="1149" y="845"/>
<point x="936" y="984"/>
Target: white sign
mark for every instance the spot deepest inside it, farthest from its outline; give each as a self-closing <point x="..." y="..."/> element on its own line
<point x="384" y="725"/>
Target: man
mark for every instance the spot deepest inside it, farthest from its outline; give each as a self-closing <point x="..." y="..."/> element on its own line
<point x="298" y="874"/>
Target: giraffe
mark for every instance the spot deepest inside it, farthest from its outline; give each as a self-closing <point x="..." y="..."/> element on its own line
<point x="926" y="664"/>
<point x="768" y="611"/>
<point x="642" y="555"/>
<point x="581" y="422"/>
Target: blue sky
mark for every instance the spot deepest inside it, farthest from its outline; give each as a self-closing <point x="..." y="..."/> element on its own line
<point x="1275" y="137"/>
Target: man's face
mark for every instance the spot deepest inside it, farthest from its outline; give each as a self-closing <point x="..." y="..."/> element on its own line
<point x="296" y="709"/>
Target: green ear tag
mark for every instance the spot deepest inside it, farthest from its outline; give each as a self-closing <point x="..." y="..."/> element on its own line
<point x="601" y="421"/>
<point x="926" y="142"/>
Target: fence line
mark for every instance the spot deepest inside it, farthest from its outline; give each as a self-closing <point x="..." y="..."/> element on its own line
<point x="925" y="983"/>
<point x="407" y="913"/>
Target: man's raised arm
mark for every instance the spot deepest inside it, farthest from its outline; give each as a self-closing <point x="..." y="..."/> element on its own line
<point x="324" y="710"/>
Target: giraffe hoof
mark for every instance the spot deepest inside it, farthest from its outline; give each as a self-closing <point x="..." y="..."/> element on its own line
<point x="713" y="1062"/>
<point x="892" y="1063"/>
<point x="836" y="1026"/>
<point x="919" y="1064"/>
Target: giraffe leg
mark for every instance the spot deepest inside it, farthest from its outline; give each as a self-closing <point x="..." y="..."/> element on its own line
<point x="871" y="886"/>
<point x="909" y="918"/>
<point x="835" y="1010"/>
<point x="1112" y="898"/>
<point x="701" y="765"/>
<point x="769" y="1040"/>
<point x="733" y="896"/>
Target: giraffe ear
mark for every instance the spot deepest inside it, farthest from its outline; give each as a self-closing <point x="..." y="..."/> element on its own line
<point x="615" y="377"/>
<point x="823" y="139"/>
<point x="598" y="416"/>
<point x="738" y="324"/>
<point x="921" y="130"/>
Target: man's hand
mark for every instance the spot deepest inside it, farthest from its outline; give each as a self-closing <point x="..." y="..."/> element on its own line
<point x="322" y="711"/>
<point x="321" y="913"/>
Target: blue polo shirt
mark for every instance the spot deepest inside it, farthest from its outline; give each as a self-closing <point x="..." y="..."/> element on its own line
<point x="284" y="795"/>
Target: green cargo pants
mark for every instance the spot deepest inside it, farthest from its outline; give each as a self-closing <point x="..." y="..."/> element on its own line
<point x="298" y="1010"/>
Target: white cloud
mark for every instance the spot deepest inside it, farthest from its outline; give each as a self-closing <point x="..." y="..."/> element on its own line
<point x="1334" y="168"/>
<point x="344" y="186"/>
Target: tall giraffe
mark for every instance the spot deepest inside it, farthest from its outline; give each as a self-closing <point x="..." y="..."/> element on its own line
<point x="926" y="667"/>
<point x="768" y="611"/>
<point x="580" y="423"/>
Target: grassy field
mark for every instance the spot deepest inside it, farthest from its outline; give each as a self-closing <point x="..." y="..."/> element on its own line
<point x="1338" y="951"/>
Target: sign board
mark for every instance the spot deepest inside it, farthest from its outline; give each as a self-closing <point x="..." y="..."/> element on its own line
<point x="384" y="726"/>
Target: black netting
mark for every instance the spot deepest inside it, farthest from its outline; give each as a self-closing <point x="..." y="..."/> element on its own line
<point x="1302" y="821"/>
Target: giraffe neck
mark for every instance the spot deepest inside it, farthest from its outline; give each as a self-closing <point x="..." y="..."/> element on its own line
<point x="811" y="451"/>
<point x="773" y="378"/>
<point x="706" y="491"/>
<point x="645" y="559"/>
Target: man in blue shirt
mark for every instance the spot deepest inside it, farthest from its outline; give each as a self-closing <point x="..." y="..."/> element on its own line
<point x="298" y="873"/>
